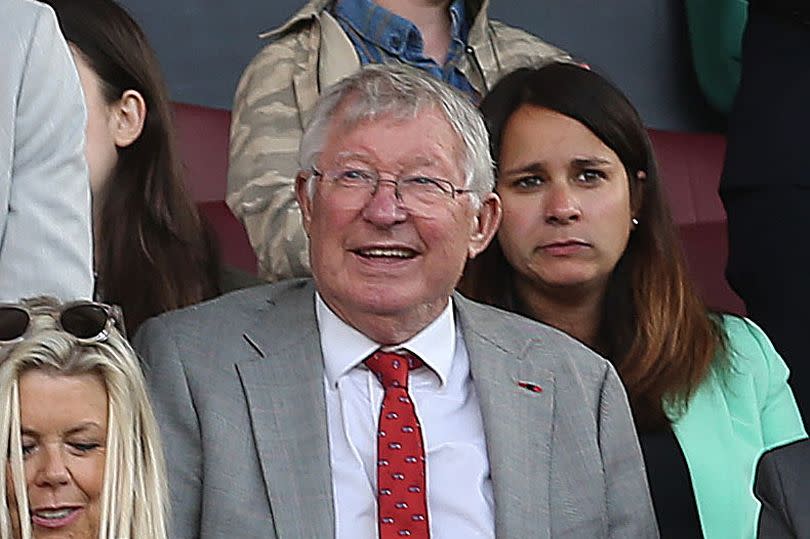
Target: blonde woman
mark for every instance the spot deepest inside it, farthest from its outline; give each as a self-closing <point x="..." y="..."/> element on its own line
<point x="84" y="459"/>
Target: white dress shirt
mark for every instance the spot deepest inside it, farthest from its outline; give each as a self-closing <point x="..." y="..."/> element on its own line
<point x="459" y="488"/>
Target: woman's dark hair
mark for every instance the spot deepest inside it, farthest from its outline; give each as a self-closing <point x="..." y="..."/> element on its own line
<point x="654" y="327"/>
<point x="154" y="253"/>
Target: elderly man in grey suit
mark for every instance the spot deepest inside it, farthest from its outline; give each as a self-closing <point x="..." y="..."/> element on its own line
<point x="372" y="401"/>
<point x="45" y="235"/>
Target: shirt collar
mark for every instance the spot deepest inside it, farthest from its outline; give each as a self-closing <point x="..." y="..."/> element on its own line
<point x="460" y="27"/>
<point x="391" y="32"/>
<point x="344" y="347"/>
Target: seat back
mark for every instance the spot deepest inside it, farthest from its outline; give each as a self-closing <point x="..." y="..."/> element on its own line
<point x="202" y="137"/>
<point x="690" y="165"/>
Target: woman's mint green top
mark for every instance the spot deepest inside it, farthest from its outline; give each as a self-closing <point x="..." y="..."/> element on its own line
<point x="733" y="417"/>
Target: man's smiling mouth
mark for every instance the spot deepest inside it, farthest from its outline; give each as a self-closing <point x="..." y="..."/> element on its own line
<point x="386" y="252"/>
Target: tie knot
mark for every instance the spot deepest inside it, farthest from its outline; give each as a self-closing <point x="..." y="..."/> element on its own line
<point x="392" y="368"/>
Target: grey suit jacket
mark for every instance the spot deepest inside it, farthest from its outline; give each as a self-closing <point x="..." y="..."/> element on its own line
<point x="783" y="487"/>
<point x="238" y="387"/>
<point x="45" y="235"/>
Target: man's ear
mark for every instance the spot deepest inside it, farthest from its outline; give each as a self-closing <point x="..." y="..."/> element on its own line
<point x="485" y="224"/>
<point x="303" y="196"/>
<point x="128" y="118"/>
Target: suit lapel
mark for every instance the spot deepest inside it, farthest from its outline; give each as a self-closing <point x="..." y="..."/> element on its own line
<point x="283" y="387"/>
<point x="517" y="425"/>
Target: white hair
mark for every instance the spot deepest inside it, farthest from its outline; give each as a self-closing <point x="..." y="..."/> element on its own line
<point x="135" y="494"/>
<point x="401" y="91"/>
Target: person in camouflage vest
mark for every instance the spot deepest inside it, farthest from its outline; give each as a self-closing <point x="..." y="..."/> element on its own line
<point x="279" y="87"/>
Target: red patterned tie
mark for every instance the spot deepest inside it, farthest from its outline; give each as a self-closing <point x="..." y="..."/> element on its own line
<point x="401" y="496"/>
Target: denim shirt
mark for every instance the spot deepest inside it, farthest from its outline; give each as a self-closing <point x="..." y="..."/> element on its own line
<point x="380" y="36"/>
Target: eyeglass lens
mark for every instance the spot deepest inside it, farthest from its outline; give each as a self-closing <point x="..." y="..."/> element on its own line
<point x="84" y="321"/>
<point x="13" y="323"/>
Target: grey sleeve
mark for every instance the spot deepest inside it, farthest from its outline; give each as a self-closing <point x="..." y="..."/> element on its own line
<point x="629" y="505"/>
<point x="46" y="247"/>
<point x="773" y="520"/>
<point x="172" y="398"/>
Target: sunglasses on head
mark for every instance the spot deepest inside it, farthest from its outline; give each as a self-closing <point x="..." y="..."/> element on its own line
<point x="88" y="321"/>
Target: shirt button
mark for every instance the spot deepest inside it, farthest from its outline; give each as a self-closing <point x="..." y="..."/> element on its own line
<point x="469" y="50"/>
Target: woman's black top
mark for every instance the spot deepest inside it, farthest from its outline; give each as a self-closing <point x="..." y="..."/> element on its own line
<point x="670" y="486"/>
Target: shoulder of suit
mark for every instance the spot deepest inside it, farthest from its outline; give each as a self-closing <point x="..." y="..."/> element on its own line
<point x="789" y="456"/>
<point x="232" y="308"/>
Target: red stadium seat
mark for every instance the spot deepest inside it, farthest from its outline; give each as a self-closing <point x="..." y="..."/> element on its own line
<point x="690" y="167"/>
<point x="202" y="137"/>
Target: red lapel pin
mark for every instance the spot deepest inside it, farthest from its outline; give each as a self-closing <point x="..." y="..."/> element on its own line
<point x="534" y="388"/>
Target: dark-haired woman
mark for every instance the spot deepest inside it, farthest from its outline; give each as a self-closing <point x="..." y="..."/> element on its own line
<point x="587" y="245"/>
<point x="152" y="250"/>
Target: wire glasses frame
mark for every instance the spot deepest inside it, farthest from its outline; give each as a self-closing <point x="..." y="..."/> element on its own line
<point x="419" y="193"/>
<point x="88" y="321"/>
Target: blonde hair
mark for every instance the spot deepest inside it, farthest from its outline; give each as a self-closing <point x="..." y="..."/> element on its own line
<point x="135" y="495"/>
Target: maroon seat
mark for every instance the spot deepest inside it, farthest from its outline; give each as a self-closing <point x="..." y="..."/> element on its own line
<point x="690" y="167"/>
<point x="202" y="137"/>
<point x="234" y="247"/>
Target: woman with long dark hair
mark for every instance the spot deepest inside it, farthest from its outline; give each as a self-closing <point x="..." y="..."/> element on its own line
<point x="587" y="245"/>
<point x="152" y="250"/>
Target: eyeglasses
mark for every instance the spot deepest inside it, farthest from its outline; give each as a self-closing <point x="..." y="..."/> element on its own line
<point x="420" y="194"/>
<point x="88" y="321"/>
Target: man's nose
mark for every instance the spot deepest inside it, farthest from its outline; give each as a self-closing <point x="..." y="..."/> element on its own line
<point x="385" y="207"/>
<point x="561" y="205"/>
